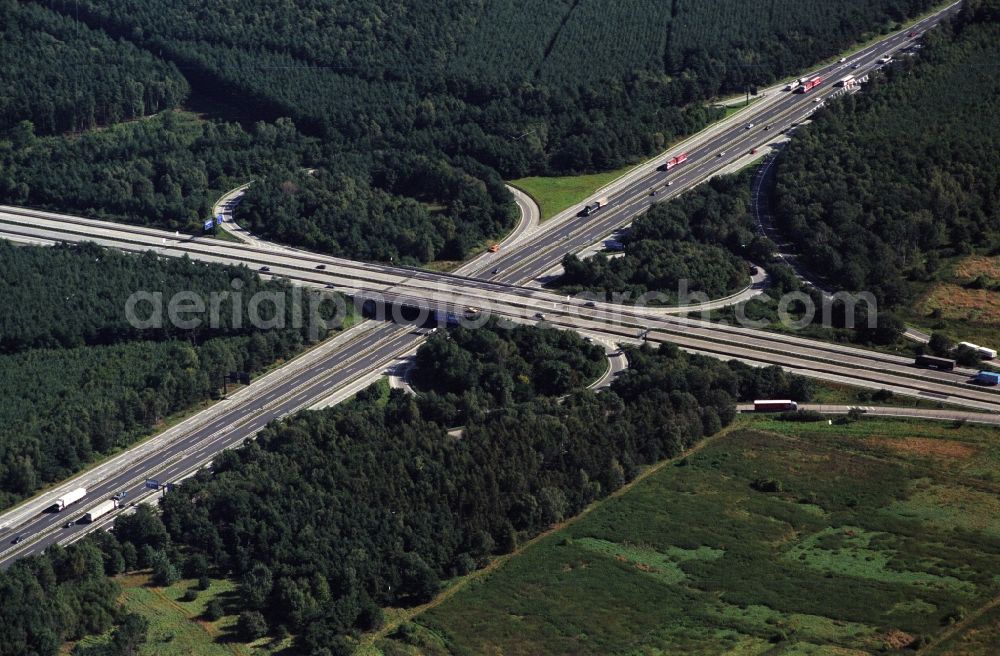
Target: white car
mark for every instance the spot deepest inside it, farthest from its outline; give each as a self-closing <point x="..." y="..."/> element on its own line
<point x="843" y="59"/>
<point x="749" y="125"/>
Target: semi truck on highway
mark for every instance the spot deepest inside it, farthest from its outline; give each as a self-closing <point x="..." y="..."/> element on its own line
<point x="846" y="81"/>
<point x="794" y="84"/>
<point x="100" y="510"/>
<point x="674" y="161"/>
<point x="944" y="364"/>
<point x="590" y="208"/>
<point x="70" y="498"/>
<point x="811" y="84"/>
<point x="988" y="378"/>
<point x="774" y="405"/>
<point x="447" y="318"/>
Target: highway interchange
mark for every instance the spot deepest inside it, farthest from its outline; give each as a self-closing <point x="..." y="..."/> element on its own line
<point x="492" y="284"/>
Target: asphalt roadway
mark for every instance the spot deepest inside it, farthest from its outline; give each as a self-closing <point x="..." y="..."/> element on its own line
<point x="374" y="348"/>
<point x="420" y="288"/>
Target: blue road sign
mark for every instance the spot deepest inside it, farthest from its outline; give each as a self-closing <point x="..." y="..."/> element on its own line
<point x="208" y="225"/>
<point x="152" y="484"/>
<point x="219" y="219"/>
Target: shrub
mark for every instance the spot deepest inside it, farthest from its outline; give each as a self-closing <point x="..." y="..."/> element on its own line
<point x="883" y="395"/>
<point x="251" y="625"/>
<point x="213" y="610"/>
<point x="164" y="572"/>
<point x="767" y="485"/>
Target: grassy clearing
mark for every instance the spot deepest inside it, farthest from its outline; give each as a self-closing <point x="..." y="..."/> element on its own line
<point x="178" y="627"/>
<point x="956" y="307"/>
<point x="553" y="195"/>
<point x="869" y="536"/>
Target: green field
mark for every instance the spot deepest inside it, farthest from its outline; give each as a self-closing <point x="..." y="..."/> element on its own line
<point x="962" y="302"/>
<point x="554" y="195"/>
<point x="177" y="628"/>
<point x="776" y="538"/>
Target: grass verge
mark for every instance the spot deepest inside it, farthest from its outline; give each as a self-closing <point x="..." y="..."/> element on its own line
<point x="553" y="195"/>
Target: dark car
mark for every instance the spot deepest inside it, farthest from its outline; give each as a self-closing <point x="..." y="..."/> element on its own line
<point x="495" y="271"/>
<point x="320" y="266"/>
<point x="18" y="538"/>
<point x="590" y="304"/>
<point x="265" y="268"/>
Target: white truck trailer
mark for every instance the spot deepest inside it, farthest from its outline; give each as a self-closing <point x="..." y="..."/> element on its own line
<point x="70" y="498"/>
<point x="100" y="510"/>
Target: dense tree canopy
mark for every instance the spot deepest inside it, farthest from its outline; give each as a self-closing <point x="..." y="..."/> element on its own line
<point x="889" y="181"/>
<point x="692" y="243"/>
<point x="60" y="75"/>
<point x="419" y="106"/>
<point x="594" y="83"/>
<point x="410" y="209"/>
<point x="165" y="171"/>
<point x="78" y="381"/>
<point x="168" y="171"/>
<point x="57" y="596"/>
<point x="329" y="515"/>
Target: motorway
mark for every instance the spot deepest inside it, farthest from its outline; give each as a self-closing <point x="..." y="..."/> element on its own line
<point x="418" y="287"/>
<point x="423" y="288"/>
<point x="779" y="109"/>
<point x="372" y="348"/>
<point x="532" y="258"/>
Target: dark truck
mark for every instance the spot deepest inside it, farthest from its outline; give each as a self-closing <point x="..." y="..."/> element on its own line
<point x="944" y="364"/>
<point x="590" y="208"/>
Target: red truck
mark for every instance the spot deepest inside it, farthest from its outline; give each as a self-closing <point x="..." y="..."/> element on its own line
<point x="809" y="85"/>
<point x="674" y="161"/>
